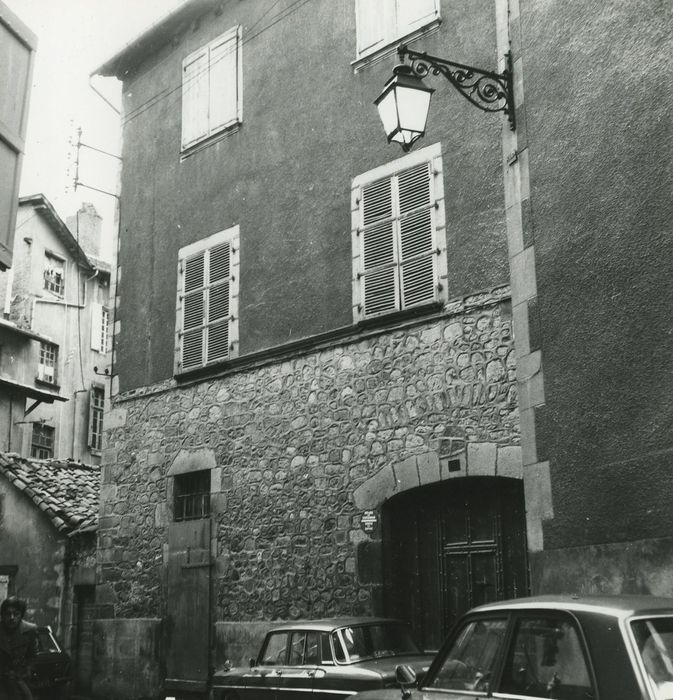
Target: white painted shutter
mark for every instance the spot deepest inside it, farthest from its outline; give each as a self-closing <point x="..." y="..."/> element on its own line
<point x="194" y="98"/>
<point x="418" y="253"/>
<point x="379" y="263"/>
<point x="193" y="309"/>
<point x="96" y="326"/>
<point x="224" y="88"/>
<point x="372" y="17"/>
<point x="218" y="302"/>
<point x="412" y="14"/>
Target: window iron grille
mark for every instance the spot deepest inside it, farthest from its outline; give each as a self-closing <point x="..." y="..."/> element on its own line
<point x="192" y="496"/>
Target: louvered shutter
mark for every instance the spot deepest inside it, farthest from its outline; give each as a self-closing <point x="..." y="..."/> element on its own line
<point x="194" y="98"/>
<point x="416" y="236"/>
<point x="380" y="279"/>
<point x="223" y="88"/>
<point x="96" y="326"/>
<point x="412" y="14"/>
<point x="218" y="302"/>
<point x="193" y="309"/>
<point x="90" y="440"/>
<point x="371" y="20"/>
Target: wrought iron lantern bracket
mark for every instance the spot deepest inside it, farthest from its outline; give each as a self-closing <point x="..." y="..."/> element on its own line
<point x="490" y="92"/>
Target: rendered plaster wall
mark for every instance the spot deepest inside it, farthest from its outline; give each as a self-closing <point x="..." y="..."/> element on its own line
<point x="285" y="176"/>
<point x="30" y="542"/>
<point x="599" y="141"/>
<point x="639" y="566"/>
<point x="126" y="661"/>
<point x="291" y="442"/>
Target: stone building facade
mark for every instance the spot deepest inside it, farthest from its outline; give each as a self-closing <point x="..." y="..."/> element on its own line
<point x="310" y="433"/>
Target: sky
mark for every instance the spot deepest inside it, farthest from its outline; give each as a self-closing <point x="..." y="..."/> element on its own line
<point x="74" y="37"/>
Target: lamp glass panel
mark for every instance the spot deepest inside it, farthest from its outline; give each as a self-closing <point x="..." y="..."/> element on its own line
<point x="388" y="112"/>
<point x="413" y="106"/>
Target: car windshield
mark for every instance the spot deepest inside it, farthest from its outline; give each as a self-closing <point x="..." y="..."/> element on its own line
<point x="373" y="641"/>
<point x="654" y="638"/>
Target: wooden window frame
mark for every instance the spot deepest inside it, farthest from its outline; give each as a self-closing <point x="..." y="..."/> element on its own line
<point x="42" y="443"/>
<point x="96" y="417"/>
<point x="432" y="155"/>
<point x="230" y="236"/>
<point x="51" y="284"/>
<point x="48" y="351"/>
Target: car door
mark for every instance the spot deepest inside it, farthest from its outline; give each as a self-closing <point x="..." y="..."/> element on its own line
<point x="297" y="676"/>
<point x="262" y="682"/>
<point x="547" y="658"/>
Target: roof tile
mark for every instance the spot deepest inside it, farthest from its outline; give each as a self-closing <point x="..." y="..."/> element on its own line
<point x="67" y="491"/>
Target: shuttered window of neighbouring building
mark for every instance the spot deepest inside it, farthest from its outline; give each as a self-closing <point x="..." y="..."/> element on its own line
<point x="211" y="89"/>
<point x="381" y="23"/>
<point x="207" y="307"/>
<point x="399" y="247"/>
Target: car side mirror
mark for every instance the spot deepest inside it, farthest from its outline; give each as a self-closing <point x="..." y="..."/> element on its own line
<point x="253" y="662"/>
<point x="405" y="676"/>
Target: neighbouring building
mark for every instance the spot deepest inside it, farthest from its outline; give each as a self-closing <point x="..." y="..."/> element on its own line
<point x="17" y="53"/>
<point x="349" y="380"/>
<point x="48" y="520"/>
<point x="54" y="336"/>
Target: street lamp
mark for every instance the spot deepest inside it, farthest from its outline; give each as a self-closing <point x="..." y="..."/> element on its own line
<point x="405" y="101"/>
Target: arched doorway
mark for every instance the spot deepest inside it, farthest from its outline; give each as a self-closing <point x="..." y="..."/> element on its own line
<point x="449" y="546"/>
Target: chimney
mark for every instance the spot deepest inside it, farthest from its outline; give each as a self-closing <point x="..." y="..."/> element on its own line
<point x="85" y="226"/>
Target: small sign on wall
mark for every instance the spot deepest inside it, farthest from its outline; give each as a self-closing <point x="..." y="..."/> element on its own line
<point x="369" y="521"/>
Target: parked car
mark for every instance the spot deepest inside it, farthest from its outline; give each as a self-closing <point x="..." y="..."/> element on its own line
<point x="51" y="675"/>
<point x="326" y="658"/>
<point x="564" y="647"/>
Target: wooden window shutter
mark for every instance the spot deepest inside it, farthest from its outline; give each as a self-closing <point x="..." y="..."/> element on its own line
<point x="207" y="306"/>
<point x="90" y="439"/>
<point x="417" y="240"/>
<point x="371" y="24"/>
<point x="194" y="98"/>
<point x="218" y="302"/>
<point x="224" y="84"/>
<point x="379" y="262"/>
<point x="412" y="14"/>
<point x="96" y="325"/>
<point x="193" y="309"/>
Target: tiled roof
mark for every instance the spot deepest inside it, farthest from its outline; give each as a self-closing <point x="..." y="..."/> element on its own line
<point x="67" y="491"/>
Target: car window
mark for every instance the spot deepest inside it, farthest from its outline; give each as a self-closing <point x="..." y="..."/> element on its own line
<point x="373" y="641"/>
<point x="546" y="660"/>
<point x="654" y="638"/>
<point x="46" y="642"/>
<point x="312" y="654"/>
<point x="274" y="649"/>
<point x="471" y="659"/>
<point x="297" y="648"/>
<point x="325" y="649"/>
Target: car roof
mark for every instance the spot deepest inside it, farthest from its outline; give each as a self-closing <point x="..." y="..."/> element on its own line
<point x="332" y="623"/>
<point x="621" y="606"/>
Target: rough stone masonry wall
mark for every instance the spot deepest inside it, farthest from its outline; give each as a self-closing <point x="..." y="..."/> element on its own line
<point x="292" y="441"/>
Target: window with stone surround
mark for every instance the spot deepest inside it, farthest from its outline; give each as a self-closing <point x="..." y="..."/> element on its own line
<point x="191" y="495"/>
<point x="207" y="304"/>
<point x="383" y="24"/>
<point x="211" y="89"/>
<point x="398" y="238"/>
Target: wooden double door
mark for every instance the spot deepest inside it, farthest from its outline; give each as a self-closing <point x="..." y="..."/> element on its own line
<point x="451" y="546"/>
